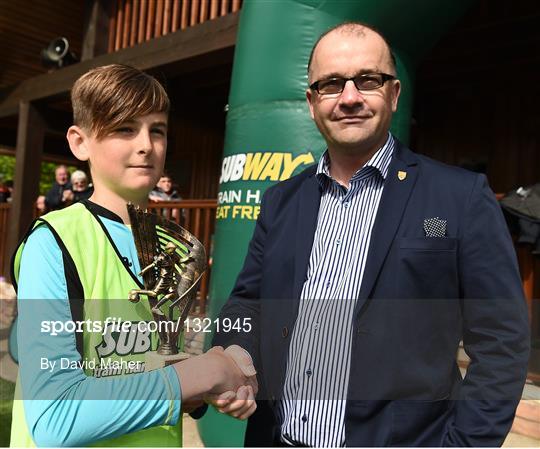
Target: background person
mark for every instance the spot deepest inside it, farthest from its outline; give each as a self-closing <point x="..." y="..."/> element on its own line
<point x="80" y="186"/>
<point x="41" y="204"/>
<point x="5" y="194"/>
<point x="60" y="194"/>
<point x="164" y="191"/>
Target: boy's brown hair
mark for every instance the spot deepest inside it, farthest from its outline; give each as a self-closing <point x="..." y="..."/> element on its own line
<point x="107" y="96"/>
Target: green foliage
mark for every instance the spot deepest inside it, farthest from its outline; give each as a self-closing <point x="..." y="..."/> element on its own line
<point x="7" y="167"/>
<point x="46" y="179"/>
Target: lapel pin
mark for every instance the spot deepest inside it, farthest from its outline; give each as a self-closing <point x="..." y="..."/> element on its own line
<point x="401" y="175"/>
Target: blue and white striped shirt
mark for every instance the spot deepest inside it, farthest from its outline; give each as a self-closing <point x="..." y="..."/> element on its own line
<point x="312" y="410"/>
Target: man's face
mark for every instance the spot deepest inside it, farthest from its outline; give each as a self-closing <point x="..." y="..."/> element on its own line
<point x="165" y="184"/>
<point x="61" y="175"/>
<point x="355" y="122"/>
<point x="128" y="162"/>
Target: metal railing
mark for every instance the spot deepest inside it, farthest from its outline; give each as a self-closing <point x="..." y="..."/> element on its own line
<point x="197" y="216"/>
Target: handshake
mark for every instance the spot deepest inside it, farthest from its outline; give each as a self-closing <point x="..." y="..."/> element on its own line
<point x="225" y="379"/>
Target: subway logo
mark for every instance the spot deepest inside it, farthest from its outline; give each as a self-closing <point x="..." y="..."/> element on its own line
<point x="266" y="166"/>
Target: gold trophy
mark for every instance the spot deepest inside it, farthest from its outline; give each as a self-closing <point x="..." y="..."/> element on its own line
<point x="173" y="262"/>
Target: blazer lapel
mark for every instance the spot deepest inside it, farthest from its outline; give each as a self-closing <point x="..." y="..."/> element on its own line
<point x="397" y="190"/>
<point x="308" y="210"/>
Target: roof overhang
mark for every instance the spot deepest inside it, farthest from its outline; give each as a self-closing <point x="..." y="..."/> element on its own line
<point x="205" y="40"/>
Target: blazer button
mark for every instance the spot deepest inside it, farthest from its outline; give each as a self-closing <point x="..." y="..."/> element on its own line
<point x="284" y="332"/>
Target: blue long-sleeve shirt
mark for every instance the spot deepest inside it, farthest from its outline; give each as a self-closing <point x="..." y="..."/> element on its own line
<point x="65" y="406"/>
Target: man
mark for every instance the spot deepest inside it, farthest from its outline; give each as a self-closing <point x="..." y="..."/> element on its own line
<point x="60" y="194"/>
<point x="164" y="190"/>
<point x="365" y="272"/>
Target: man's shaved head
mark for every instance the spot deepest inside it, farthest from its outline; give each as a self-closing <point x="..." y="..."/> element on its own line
<point x="358" y="29"/>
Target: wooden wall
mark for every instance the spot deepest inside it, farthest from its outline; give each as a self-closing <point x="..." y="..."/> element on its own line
<point x="194" y="153"/>
<point x="476" y="103"/>
<point x="134" y="21"/>
<point x="477" y="94"/>
<point x="197" y="129"/>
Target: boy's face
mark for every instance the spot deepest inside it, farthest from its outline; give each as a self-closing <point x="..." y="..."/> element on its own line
<point x="129" y="161"/>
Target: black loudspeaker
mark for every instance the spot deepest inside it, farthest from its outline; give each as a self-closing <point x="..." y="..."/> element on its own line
<point x="57" y="54"/>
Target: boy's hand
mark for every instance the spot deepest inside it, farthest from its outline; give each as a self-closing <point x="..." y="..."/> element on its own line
<point x="235" y="362"/>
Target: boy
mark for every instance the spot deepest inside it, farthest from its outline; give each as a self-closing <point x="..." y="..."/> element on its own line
<point x="81" y="262"/>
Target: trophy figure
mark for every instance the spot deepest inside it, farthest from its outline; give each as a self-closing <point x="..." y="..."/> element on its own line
<point x="173" y="262"/>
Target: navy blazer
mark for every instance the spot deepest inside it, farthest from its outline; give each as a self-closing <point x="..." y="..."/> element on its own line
<point x="419" y="297"/>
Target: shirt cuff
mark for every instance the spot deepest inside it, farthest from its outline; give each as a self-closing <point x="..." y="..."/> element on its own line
<point x="175" y="395"/>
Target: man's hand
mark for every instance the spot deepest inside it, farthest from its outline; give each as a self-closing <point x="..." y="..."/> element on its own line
<point x="215" y="373"/>
<point x="67" y="195"/>
<point x="240" y="404"/>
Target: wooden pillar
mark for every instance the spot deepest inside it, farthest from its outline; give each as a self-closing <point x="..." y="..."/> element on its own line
<point x="29" y="149"/>
<point x="96" y="28"/>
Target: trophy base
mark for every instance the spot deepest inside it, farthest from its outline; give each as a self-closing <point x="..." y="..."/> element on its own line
<point x="153" y="360"/>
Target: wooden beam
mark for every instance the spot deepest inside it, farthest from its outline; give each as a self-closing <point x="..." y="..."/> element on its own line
<point x="208" y="37"/>
<point x="194" y="12"/>
<point x="158" y="26"/>
<point x="167" y="17"/>
<point x="58" y="160"/>
<point x="204" y="12"/>
<point x="96" y="29"/>
<point x="112" y="27"/>
<point x="213" y="9"/>
<point x="184" y="21"/>
<point x="150" y="21"/>
<point x="142" y="21"/>
<point x="119" y="24"/>
<point x="224" y="7"/>
<point x="175" y="16"/>
<point x="30" y="135"/>
<point x="127" y="24"/>
<point x="134" y="23"/>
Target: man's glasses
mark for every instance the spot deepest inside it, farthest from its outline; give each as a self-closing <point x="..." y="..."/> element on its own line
<point x="366" y="81"/>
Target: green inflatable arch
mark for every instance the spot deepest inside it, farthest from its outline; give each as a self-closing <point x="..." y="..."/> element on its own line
<point x="270" y="135"/>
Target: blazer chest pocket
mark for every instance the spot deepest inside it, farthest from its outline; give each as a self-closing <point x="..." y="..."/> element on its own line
<point x="427" y="268"/>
